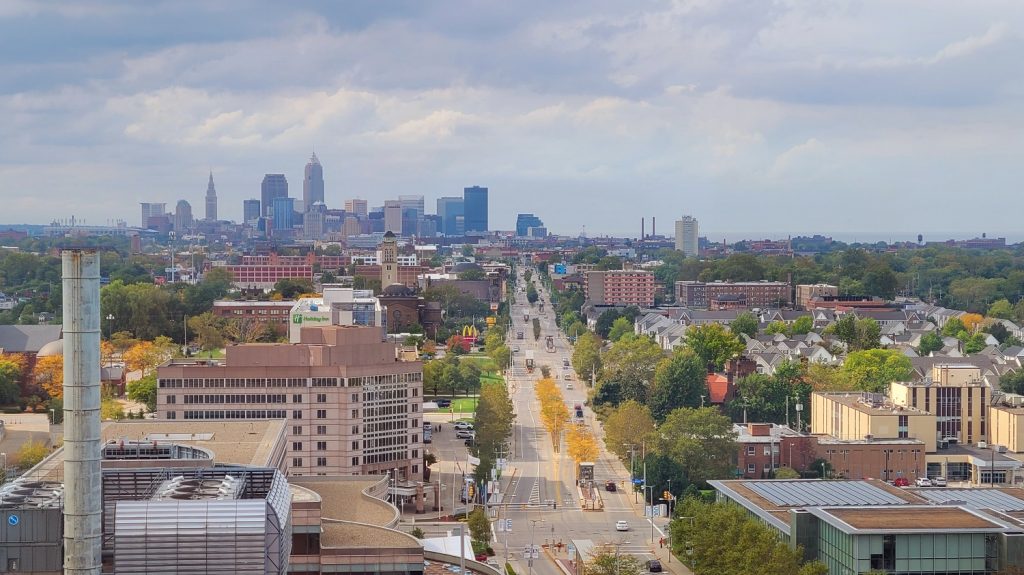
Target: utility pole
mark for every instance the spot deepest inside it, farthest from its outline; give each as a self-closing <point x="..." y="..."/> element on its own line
<point x="533" y="529"/>
<point x="650" y="489"/>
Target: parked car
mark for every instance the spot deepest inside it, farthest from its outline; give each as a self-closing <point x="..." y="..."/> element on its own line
<point x="442" y="402"/>
<point x="938" y="481"/>
<point x="463" y="425"/>
<point x="901" y="482"/>
<point x="568" y="385"/>
<point x="568" y="377"/>
<point x="621" y="526"/>
<point x="465" y="434"/>
<point x="565" y="362"/>
<point x="923" y="482"/>
<point x="515" y="349"/>
<point x="654" y="566"/>
<point x="610" y="485"/>
<point x="481" y="557"/>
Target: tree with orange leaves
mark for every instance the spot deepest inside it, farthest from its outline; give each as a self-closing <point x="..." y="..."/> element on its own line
<point x="581" y="444"/>
<point x="971" y="321"/>
<point x="49" y="375"/>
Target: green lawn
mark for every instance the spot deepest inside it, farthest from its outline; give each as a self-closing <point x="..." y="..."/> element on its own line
<point x="491" y="379"/>
<point x="464" y="404"/>
<point x="485" y="363"/>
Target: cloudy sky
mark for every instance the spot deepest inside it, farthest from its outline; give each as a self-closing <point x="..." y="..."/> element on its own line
<point x="783" y="117"/>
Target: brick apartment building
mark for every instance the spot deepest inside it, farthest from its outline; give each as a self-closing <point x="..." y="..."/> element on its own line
<point x="264" y="276"/>
<point x="270" y="313"/>
<point x="620" y="287"/>
<point x="351" y="406"/>
<point x="761" y="294"/>
<point x="807" y="292"/>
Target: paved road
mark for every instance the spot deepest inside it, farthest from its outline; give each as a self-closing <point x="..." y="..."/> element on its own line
<point x="544" y="475"/>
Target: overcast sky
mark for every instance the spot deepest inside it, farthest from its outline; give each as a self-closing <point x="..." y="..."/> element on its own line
<point x="783" y="117"/>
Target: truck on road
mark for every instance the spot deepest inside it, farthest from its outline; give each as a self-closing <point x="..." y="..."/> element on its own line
<point x="529" y="360"/>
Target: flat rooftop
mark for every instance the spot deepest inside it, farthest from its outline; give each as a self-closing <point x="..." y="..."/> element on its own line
<point x="865" y="404"/>
<point x="929" y="518"/>
<point x="342" y="498"/>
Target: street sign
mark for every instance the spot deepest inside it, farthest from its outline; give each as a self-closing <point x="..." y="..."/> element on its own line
<point x="13" y="520"/>
<point x="638" y="482"/>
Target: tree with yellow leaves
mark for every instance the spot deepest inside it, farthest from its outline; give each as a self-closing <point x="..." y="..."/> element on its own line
<point x="971" y="321"/>
<point x="581" y="444"/>
<point x="145" y="356"/>
<point x="49" y="375"/>
<point x="553" y="411"/>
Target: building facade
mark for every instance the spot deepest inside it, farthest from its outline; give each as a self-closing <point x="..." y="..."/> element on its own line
<point x="211" y="200"/>
<point x="261" y="276"/>
<point x="956" y="394"/>
<point x="868" y="416"/>
<point x="283" y="213"/>
<point x="356" y="207"/>
<point x="763" y="294"/>
<point x="273" y="314"/>
<point x="475" y="209"/>
<point x="182" y="217"/>
<point x="806" y="292"/>
<point x="450" y="208"/>
<point x="526" y="221"/>
<point x="250" y="211"/>
<point x="312" y="183"/>
<point x="152" y="210"/>
<point x="687" y="236"/>
<point x="393" y="216"/>
<point x="273" y="186"/>
<point x="352" y="408"/>
<point x="620" y="287"/>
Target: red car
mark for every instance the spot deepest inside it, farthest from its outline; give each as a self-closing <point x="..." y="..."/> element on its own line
<point x="481" y="557"/>
<point x="901" y="482"/>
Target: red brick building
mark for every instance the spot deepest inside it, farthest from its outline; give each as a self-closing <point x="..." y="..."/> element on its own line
<point x="765" y="447"/>
<point x="620" y="287"/>
<point x="270" y="313"/>
<point x="758" y="294"/>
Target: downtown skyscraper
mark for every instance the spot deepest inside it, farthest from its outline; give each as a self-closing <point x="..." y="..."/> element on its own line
<point x="474" y="201"/>
<point x="211" y="201"/>
<point x="274" y="186"/>
<point x="312" y="183"/>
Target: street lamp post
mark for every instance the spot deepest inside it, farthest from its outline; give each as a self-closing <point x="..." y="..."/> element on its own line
<point x="650" y="489"/>
<point x="110" y="326"/>
<point x="533" y="528"/>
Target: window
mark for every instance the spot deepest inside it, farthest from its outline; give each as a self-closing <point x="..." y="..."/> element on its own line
<point x="751" y="468"/>
<point x="321" y="462"/>
<point x="751" y="450"/>
<point x="355" y="414"/>
<point x="321" y="430"/>
<point x="355" y="461"/>
<point x="296" y="430"/>
<point x="296" y="462"/>
<point x="297" y="398"/>
<point x="415" y="438"/>
<point x="415" y="453"/>
<point x="171" y="399"/>
<point x="296" y="414"/>
<point x="321" y="414"/>
<point x="767" y="468"/>
<point x="355" y="398"/>
<point x="767" y="450"/>
<point x="171" y="415"/>
<point x="321" y="446"/>
<point x="296" y="446"/>
<point x="355" y="430"/>
<point x="321" y="398"/>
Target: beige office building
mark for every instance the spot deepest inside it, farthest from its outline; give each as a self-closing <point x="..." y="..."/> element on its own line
<point x="806" y="292"/>
<point x="956" y="394"/>
<point x="857" y="416"/>
<point x="352" y="407"/>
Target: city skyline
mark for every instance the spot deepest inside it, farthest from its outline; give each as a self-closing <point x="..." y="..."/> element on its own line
<point x="789" y="111"/>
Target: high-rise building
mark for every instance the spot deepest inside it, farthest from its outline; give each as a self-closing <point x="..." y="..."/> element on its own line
<point x="182" y="217"/>
<point x="312" y="184"/>
<point x="282" y="210"/>
<point x="314" y="220"/>
<point x="686" y="236"/>
<point x="211" y="201"/>
<point x="526" y="221"/>
<point x="449" y="208"/>
<point x="393" y="216"/>
<point x="620" y="287"/>
<point x="152" y="210"/>
<point x="412" y="214"/>
<point x="475" y="209"/>
<point x="357" y="207"/>
<point x="250" y="210"/>
<point x="274" y="186"/>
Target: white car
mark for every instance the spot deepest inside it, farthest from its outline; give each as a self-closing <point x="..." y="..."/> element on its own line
<point x="568" y="386"/>
<point x="923" y="482"/>
<point x="621" y="526"/>
<point x="463" y="425"/>
<point x="939" y="481"/>
<point x="465" y="434"/>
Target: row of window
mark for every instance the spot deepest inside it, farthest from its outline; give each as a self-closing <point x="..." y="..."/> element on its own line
<point x="232" y="414"/>
<point x="231" y="398"/>
<point x="320" y="446"/>
<point x="320" y="430"/>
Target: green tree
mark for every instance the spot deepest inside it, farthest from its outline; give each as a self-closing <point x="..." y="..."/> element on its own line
<point x="880" y="281"/>
<point x="777" y="327"/>
<point x="724" y="539"/>
<point x="1013" y="382"/>
<point x="975" y="343"/>
<point x="630" y="363"/>
<point x="929" y="343"/>
<point x="701" y="441"/>
<point x="620" y="327"/>
<point x="713" y="344"/>
<point x="531" y="294"/>
<point x="679" y="381"/>
<point x="472" y="274"/>
<point x="536" y="328"/>
<point x="1000" y="309"/>
<point x="469" y="376"/>
<point x="30" y="454"/>
<point x="953" y="327"/>
<point x="745" y="323"/>
<point x="290" y="288"/>
<point x="11" y="371"/>
<point x="607" y="563"/>
<point x="762" y="397"/>
<point x="803" y="325"/>
<point x="479" y="525"/>
<point x="144" y="391"/>
<point x="868" y="333"/>
<point x="208" y="331"/>
<point x="628" y="424"/>
<point x="786" y="473"/>
<point x="586" y="355"/>
<point x="874" y="369"/>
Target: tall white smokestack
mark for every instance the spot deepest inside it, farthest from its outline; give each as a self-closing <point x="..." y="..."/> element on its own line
<point x="83" y="528"/>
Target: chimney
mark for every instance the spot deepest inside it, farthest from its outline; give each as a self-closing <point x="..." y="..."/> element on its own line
<point x="82" y="474"/>
<point x="643" y="222"/>
<point x="654" y="226"/>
